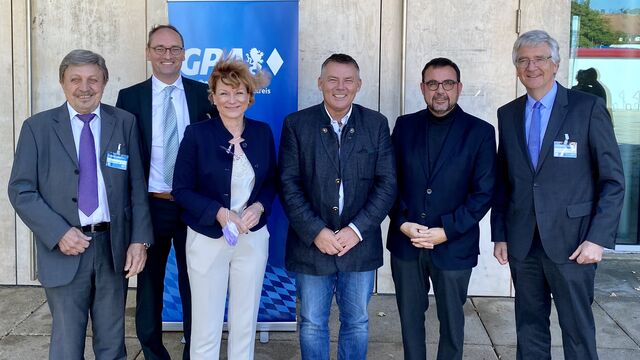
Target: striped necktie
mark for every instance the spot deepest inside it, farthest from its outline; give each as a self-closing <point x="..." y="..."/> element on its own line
<point x="170" y="135"/>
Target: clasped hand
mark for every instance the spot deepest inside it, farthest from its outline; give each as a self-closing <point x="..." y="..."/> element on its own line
<point x="249" y="218"/>
<point x="422" y="236"/>
<point x="336" y="243"/>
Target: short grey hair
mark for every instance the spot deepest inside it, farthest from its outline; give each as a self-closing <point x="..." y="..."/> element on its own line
<point x="83" y="57"/>
<point x="535" y="38"/>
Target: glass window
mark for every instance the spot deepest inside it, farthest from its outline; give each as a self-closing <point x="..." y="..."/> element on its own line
<point x="605" y="61"/>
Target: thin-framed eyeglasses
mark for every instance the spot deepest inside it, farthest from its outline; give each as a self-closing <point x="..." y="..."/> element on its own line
<point x="174" y="50"/>
<point x="523" y="63"/>
<point x="433" y="85"/>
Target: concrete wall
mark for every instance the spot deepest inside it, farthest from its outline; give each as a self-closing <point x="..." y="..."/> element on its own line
<point x="7" y="217"/>
<point x="477" y="35"/>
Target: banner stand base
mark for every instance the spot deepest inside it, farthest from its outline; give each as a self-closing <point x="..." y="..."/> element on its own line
<point x="263" y="328"/>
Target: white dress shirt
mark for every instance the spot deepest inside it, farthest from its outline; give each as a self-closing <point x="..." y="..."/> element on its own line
<point x="101" y="214"/>
<point x="156" y="171"/>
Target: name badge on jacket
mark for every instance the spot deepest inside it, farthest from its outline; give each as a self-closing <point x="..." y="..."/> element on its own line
<point x="116" y="160"/>
<point x="565" y="149"/>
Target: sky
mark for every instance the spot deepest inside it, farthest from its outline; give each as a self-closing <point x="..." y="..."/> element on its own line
<point x="614" y="5"/>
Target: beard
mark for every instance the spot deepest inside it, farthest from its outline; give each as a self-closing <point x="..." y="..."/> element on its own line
<point x="441" y="109"/>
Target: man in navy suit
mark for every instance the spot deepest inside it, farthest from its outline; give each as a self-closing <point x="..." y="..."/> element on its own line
<point x="338" y="183"/>
<point x="446" y="171"/>
<point x="559" y="193"/>
<point x="186" y="102"/>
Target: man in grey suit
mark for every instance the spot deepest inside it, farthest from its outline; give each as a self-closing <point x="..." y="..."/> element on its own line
<point x="78" y="183"/>
<point x="558" y="199"/>
<point x="338" y="184"/>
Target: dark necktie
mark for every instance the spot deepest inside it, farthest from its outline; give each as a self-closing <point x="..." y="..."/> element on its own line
<point x="534" y="135"/>
<point x="88" y="182"/>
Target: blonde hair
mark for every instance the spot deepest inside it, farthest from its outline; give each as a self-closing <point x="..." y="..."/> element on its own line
<point x="235" y="73"/>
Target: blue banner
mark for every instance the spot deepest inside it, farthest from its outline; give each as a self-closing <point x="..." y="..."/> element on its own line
<point x="265" y="35"/>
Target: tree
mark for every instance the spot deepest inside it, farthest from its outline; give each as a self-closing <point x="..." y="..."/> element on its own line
<point x="594" y="28"/>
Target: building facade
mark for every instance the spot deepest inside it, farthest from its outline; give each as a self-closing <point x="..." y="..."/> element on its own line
<point x="391" y="40"/>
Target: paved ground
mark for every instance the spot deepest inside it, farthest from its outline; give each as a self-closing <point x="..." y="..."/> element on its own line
<point x="25" y="323"/>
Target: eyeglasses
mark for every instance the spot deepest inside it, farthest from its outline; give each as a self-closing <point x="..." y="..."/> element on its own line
<point x="161" y="50"/>
<point x="523" y="63"/>
<point x="433" y="85"/>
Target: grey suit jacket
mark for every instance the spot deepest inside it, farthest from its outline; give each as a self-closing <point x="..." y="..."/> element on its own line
<point x="43" y="188"/>
<point x="569" y="200"/>
<point x="311" y="171"/>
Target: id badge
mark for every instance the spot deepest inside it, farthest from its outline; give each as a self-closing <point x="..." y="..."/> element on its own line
<point x="563" y="149"/>
<point x="117" y="161"/>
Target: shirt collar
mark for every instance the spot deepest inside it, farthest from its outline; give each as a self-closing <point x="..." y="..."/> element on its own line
<point x="547" y="100"/>
<point x="344" y="119"/>
<point x="73" y="112"/>
<point x="158" y="86"/>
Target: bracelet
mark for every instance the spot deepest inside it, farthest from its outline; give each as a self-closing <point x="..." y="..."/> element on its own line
<point x="260" y="206"/>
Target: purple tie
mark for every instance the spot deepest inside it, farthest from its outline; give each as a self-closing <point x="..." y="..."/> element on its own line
<point x="88" y="182"/>
<point x="534" y="135"/>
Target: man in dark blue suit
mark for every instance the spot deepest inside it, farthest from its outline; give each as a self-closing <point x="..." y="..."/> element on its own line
<point x="338" y="183"/>
<point x="559" y="194"/>
<point x="446" y="170"/>
<point x="164" y="105"/>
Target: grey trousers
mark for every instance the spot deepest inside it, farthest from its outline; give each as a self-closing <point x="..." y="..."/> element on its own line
<point x="97" y="291"/>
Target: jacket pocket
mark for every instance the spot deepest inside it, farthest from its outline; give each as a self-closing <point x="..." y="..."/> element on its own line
<point x="366" y="164"/>
<point x="579" y="210"/>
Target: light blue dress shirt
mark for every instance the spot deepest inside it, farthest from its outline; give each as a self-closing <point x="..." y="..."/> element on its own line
<point x="545" y="112"/>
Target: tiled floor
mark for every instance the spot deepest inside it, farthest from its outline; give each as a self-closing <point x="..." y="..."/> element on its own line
<point x="489" y="331"/>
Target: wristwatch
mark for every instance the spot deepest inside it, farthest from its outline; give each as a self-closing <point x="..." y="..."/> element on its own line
<point x="146" y="246"/>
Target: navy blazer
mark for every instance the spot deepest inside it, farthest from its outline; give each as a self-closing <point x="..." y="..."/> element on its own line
<point x="202" y="176"/>
<point x="311" y="171"/>
<point x="455" y="196"/>
<point x="137" y="99"/>
<point x="569" y="200"/>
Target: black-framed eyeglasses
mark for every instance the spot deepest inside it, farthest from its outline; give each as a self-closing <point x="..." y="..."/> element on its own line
<point x="523" y="63"/>
<point x="161" y="50"/>
<point x="433" y="85"/>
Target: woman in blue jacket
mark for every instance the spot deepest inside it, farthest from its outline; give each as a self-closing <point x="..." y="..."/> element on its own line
<point x="224" y="179"/>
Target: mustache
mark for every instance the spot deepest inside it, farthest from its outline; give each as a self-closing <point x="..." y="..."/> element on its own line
<point x="84" y="93"/>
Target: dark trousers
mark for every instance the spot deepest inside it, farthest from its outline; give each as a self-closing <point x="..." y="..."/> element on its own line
<point x="165" y="216"/>
<point x="411" y="279"/>
<point x="97" y="291"/>
<point x="537" y="277"/>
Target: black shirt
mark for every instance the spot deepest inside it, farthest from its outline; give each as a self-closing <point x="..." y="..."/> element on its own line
<point x="437" y="131"/>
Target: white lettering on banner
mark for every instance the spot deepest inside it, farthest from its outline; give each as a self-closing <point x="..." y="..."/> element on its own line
<point x="197" y="63"/>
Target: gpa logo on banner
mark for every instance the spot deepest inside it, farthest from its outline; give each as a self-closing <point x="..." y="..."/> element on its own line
<point x="199" y="62"/>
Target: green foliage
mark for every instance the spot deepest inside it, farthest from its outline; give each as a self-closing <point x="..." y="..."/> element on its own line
<point x="594" y="29"/>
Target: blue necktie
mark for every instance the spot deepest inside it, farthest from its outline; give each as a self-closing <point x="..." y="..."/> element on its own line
<point x="88" y="181"/>
<point x="534" y="135"/>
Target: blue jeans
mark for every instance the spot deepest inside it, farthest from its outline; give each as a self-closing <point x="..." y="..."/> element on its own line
<point x="353" y="291"/>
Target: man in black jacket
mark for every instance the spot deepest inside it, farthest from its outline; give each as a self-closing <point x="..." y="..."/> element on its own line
<point x="446" y="173"/>
<point x="164" y="105"/>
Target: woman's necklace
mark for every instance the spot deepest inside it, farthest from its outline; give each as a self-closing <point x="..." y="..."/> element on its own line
<point x="234" y="143"/>
<point x="237" y="149"/>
